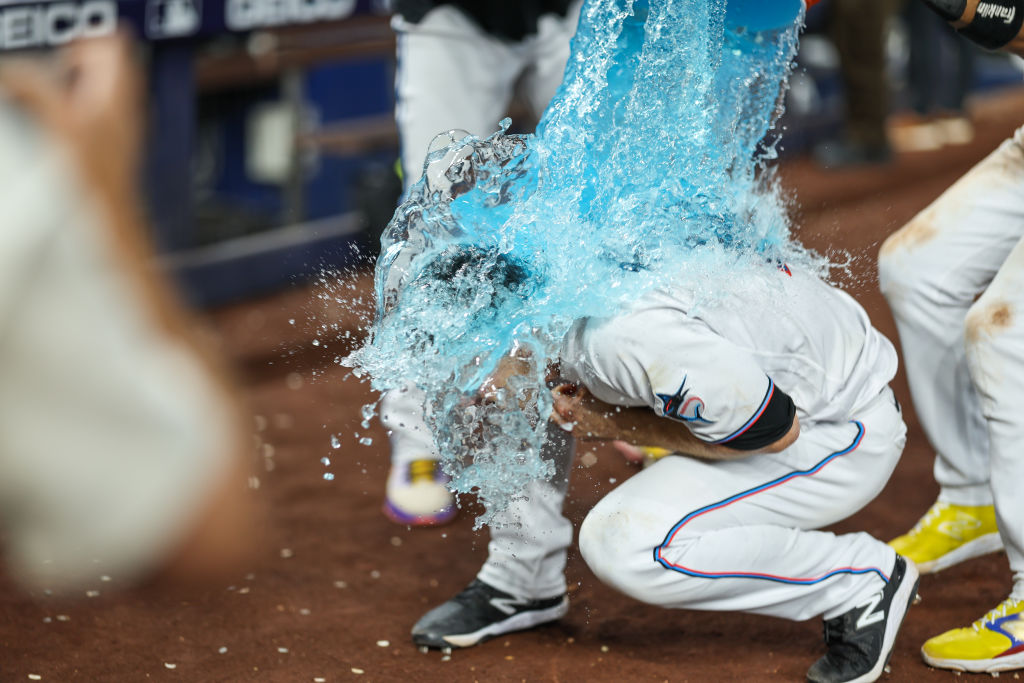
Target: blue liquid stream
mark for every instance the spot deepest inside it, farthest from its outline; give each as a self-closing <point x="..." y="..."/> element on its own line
<point x="647" y="170"/>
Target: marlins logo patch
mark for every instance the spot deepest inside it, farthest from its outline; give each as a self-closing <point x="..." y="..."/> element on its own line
<point x="683" y="406"/>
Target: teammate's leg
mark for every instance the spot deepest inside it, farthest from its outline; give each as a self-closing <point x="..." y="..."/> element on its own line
<point x="995" y="355"/>
<point x="522" y="583"/>
<point x="450" y="75"/>
<point x="546" y="53"/>
<point x="416" y="491"/>
<point x="931" y="271"/>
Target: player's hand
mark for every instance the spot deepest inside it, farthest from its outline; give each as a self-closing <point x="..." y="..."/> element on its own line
<point x="516" y="363"/>
<point x="575" y="410"/>
<point x="89" y="97"/>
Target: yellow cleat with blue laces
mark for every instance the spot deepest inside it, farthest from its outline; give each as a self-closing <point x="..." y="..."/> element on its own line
<point x="993" y="643"/>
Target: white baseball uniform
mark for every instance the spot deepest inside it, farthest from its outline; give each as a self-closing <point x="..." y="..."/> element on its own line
<point x="734" y="535"/>
<point x="112" y="434"/>
<point x="453" y="75"/>
<point x="739" y="534"/>
<point x="964" y="352"/>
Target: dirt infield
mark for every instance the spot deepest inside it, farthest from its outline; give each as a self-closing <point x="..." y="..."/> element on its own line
<point x="338" y="587"/>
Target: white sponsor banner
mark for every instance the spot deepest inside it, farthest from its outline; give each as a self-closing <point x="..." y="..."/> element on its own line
<point x="245" y="15"/>
<point x="55" y="23"/>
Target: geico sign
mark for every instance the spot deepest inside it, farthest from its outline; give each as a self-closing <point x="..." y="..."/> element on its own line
<point x="55" y="23"/>
<point x="242" y="15"/>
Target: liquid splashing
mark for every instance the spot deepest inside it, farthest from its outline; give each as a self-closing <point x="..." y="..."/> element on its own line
<point x="647" y="170"/>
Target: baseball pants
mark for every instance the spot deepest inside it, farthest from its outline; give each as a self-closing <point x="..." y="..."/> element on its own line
<point x="954" y="278"/>
<point x="739" y="535"/>
<point x="453" y="75"/>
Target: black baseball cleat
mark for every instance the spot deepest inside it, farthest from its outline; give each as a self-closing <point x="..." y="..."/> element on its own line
<point x="481" y="612"/>
<point x="860" y="641"/>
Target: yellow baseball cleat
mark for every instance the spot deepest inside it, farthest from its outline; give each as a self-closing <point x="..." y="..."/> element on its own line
<point x="993" y="643"/>
<point x="949" y="534"/>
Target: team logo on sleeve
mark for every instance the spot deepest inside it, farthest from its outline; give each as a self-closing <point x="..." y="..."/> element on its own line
<point x="683" y="406"/>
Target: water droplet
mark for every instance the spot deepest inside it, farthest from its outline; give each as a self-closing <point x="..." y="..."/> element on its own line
<point x="222" y="650"/>
<point x="383" y="643"/>
<point x="366" y="441"/>
<point x="282" y="650"/>
<point x="374" y="574"/>
<point x="291" y="321"/>
<point x="316" y="342"/>
<point x="335" y="442"/>
<point x="63" y="617"/>
<point x="328" y="476"/>
<point x="92" y="594"/>
<point x="326" y="461"/>
<point x="170" y="666"/>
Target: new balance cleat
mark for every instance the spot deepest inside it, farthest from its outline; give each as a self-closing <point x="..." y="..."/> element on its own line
<point x="993" y="643"/>
<point x="417" y="494"/>
<point x="949" y="534"/>
<point x="860" y="641"/>
<point x="481" y="612"/>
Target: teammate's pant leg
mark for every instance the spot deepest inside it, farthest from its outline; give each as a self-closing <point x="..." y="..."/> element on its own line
<point x="401" y="413"/>
<point x="737" y="535"/>
<point x="547" y="52"/>
<point x="995" y="354"/>
<point x="450" y="75"/>
<point x="931" y="271"/>
<point x="527" y="552"/>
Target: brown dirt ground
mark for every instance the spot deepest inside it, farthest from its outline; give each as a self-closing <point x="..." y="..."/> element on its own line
<point x="336" y="579"/>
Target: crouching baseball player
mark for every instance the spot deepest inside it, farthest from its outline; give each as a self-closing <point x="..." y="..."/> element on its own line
<point x="775" y="399"/>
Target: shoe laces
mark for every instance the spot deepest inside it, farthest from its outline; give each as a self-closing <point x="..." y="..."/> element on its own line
<point x="933" y="512"/>
<point x="1000" y="611"/>
<point x="422" y="470"/>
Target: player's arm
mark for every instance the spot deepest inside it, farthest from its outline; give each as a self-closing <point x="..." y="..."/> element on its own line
<point x="158" y="484"/>
<point x="994" y="24"/>
<point x="587" y="417"/>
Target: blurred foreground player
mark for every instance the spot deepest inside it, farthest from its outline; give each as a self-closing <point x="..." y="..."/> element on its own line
<point x="120" y="448"/>
<point x="775" y="399"/>
<point x="459" y="65"/>
<point x="954" y="278"/>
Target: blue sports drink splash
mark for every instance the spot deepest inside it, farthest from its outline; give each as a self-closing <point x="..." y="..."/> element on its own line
<point x="647" y="170"/>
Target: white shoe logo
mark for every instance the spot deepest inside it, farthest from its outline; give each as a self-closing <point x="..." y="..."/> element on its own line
<point x="957" y="528"/>
<point x="868" y="616"/>
<point x="507" y="605"/>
